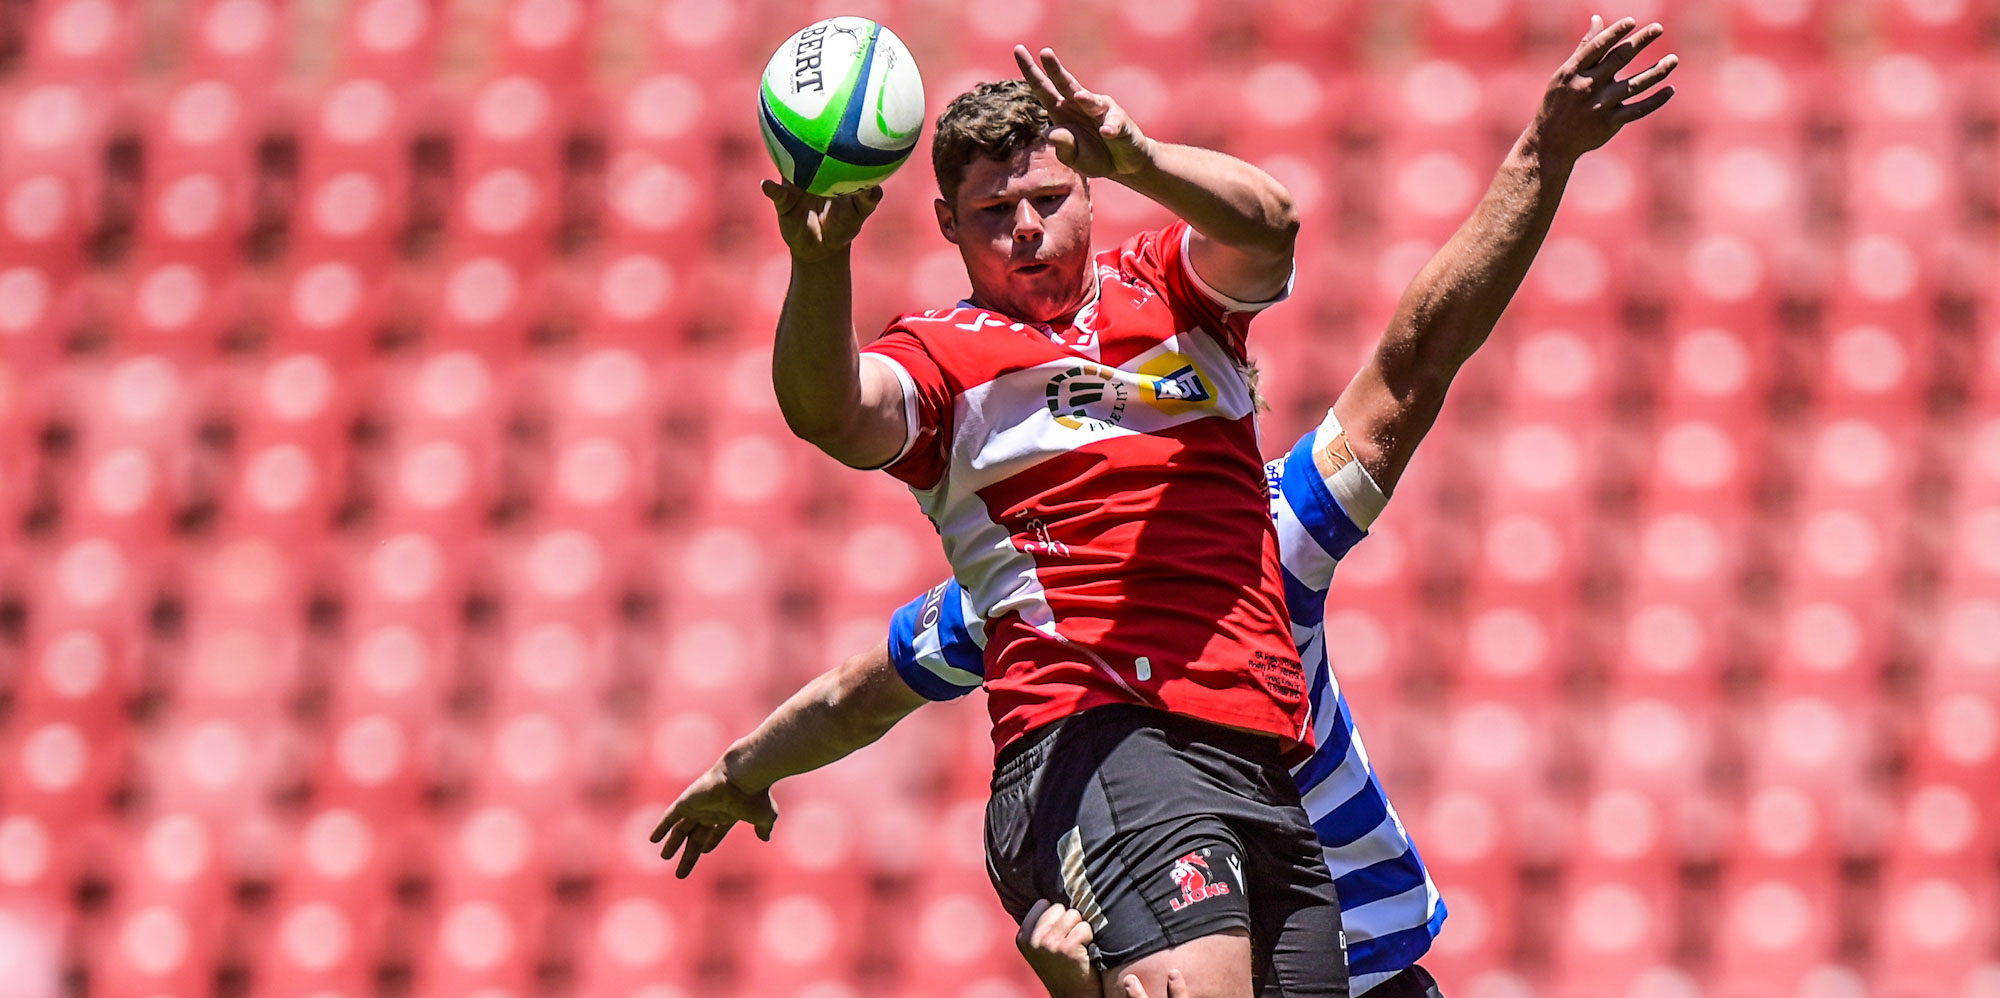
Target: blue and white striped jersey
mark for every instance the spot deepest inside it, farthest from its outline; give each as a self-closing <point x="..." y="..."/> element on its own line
<point x="1390" y="909"/>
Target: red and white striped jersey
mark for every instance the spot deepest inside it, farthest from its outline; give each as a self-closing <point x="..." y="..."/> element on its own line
<point x="1100" y="496"/>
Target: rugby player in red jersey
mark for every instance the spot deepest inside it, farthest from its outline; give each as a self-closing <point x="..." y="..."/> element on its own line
<point x="1075" y="429"/>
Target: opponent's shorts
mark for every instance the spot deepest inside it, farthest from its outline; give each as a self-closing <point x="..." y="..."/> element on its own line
<point x="1161" y="829"/>
<point x="1413" y="982"/>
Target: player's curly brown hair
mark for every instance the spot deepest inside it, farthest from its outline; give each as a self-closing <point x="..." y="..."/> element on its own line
<point x="990" y="121"/>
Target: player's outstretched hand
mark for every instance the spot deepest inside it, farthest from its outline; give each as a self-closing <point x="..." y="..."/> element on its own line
<point x="1177" y="986"/>
<point x="817" y="228"/>
<point x="705" y="812"/>
<point x="1056" y="941"/>
<point x="1090" y="131"/>
<point x="1586" y="103"/>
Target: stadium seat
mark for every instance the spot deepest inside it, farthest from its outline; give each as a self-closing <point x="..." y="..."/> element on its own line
<point x="392" y="39"/>
<point x="81" y="40"/>
<point x="1613" y="931"/>
<point x="1774" y="931"/>
<point x="158" y="948"/>
<point x="961" y="946"/>
<point x="239" y="39"/>
<point x="395" y="514"/>
<point x="1935" y="930"/>
<point x="1657" y="747"/>
<point x="480" y="940"/>
<point x="640" y="944"/>
<point x="362" y="123"/>
<point x="548" y="38"/>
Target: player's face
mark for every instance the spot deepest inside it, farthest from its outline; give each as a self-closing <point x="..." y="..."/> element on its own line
<point x="1023" y="229"/>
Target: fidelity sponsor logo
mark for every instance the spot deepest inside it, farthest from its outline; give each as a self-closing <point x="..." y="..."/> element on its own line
<point x="1087" y="397"/>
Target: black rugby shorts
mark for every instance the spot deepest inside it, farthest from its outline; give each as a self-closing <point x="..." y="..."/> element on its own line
<point x="1162" y="829"/>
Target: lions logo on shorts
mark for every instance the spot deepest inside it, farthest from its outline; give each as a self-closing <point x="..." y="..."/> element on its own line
<point x="1191" y="873"/>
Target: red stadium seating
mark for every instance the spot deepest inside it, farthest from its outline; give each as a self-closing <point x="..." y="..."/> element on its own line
<point x="395" y="515"/>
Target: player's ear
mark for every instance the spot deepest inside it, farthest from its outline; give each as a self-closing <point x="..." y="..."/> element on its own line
<point x="947" y="220"/>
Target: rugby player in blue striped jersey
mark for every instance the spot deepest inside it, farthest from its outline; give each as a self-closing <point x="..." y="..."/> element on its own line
<point x="1325" y="492"/>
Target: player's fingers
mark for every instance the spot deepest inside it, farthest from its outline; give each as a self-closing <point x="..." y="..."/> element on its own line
<point x="1177" y="985"/>
<point x="1633" y="112"/>
<point x="1644" y="80"/>
<point x="1032" y="921"/>
<point x="1038" y="81"/>
<point x="1065" y="81"/>
<point x="675" y="836"/>
<point x="1063" y="141"/>
<point x="689" y="857"/>
<point x="1080" y="936"/>
<point x="1133" y="989"/>
<point x="1591" y="51"/>
<point x="1625" y="51"/>
<point x="786" y="197"/>
<point x="866" y="201"/>
<point x="1058" y="928"/>
<point x="703" y="841"/>
<point x="1576" y="57"/>
<point x="776" y="192"/>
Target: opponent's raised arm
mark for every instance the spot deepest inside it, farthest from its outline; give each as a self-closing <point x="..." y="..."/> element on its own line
<point x="839" y="712"/>
<point x="831" y="399"/>
<point x="1243" y="220"/>
<point x="1453" y="303"/>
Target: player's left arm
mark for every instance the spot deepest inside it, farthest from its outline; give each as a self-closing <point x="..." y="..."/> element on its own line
<point x="1456" y="299"/>
<point x="1243" y="220"/>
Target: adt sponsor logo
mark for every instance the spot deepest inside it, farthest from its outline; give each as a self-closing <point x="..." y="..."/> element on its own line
<point x="1190" y="872"/>
<point x="1184" y="385"/>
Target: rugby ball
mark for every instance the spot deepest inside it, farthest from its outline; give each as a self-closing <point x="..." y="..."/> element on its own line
<point x="841" y="105"/>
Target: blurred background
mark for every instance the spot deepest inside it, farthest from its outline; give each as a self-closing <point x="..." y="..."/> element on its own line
<point x="394" y="512"/>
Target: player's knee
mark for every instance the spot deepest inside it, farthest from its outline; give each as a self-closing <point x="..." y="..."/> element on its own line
<point x="1216" y="965"/>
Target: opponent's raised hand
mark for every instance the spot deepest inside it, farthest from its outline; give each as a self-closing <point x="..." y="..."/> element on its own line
<point x="1089" y="131"/>
<point x="1586" y="103"/>
<point x="815" y="227"/>
<point x="705" y="812"/>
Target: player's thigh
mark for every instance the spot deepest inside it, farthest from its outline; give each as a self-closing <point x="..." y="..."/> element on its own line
<point x="1215" y="966"/>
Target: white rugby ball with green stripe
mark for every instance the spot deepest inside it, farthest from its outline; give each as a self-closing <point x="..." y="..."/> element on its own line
<point x="841" y="105"/>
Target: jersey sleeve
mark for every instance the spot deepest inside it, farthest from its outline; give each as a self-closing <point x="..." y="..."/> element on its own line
<point x="937" y="646"/>
<point x="1319" y="518"/>
<point x="926" y="406"/>
<point x="1160" y="258"/>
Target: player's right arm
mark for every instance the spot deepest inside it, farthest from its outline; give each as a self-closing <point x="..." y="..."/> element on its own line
<point x="839" y="712"/>
<point x="1453" y="303"/>
<point x="933" y="652"/>
<point x="854" y="411"/>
